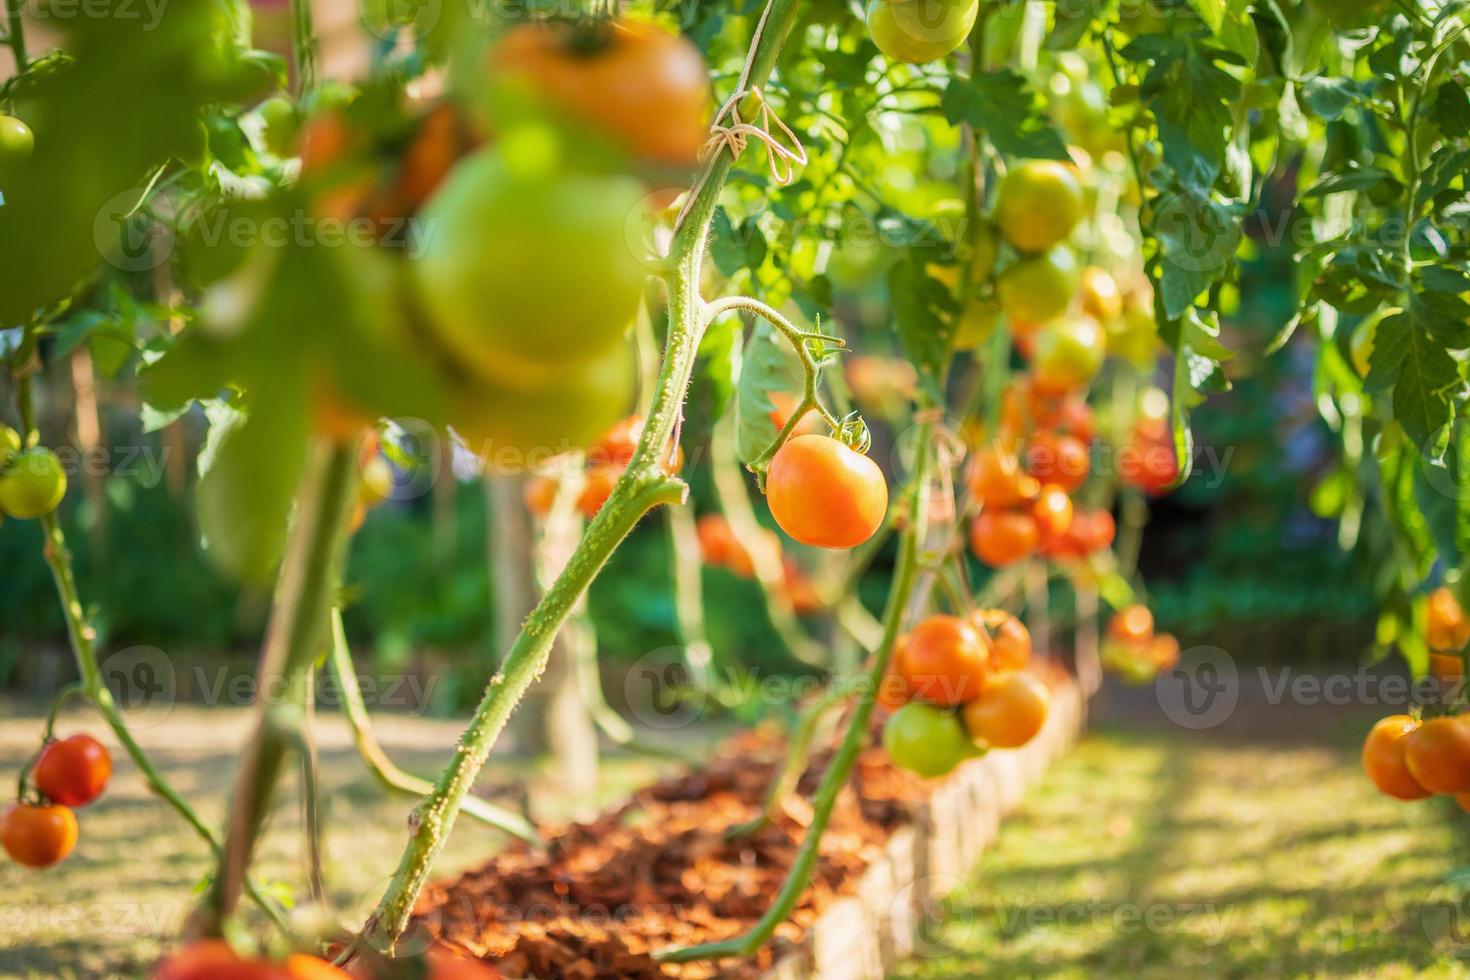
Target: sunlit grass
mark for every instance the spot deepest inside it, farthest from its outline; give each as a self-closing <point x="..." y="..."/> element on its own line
<point x="1253" y="858"/>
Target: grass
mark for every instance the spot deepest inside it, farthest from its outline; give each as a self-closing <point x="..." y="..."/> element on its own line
<point x="1168" y="853"/>
<point x="118" y="902"/>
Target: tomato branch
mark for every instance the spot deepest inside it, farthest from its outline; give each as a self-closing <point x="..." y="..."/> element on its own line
<point x="82" y="638"/>
<point x="835" y="778"/>
<point x="643" y="485"/>
<point x="294" y="638"/>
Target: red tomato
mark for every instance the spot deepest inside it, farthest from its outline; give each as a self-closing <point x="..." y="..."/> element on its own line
<point x="946" y="661"/>
<point x="1133" y="624"/>
<point x="1438" y="754"/>
<point x="996" y="479"/>
<point x="1059" y="459"/>
<point x="73" y="771"/>
<point x="1003" y="537"/>
<point x="1009" y="639"/>
<point x="1053" y="511"/>
<point x="1149" y="461"/>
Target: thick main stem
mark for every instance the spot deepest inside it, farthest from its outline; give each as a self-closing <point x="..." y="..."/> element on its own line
<point x="387" y="772"/>
<point x="840" y="768"/>
<point x="294" y="638"/>
<point x="642" y="486"/>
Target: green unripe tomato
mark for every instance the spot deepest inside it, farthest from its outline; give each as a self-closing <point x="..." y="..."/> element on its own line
<point x="920" y="30"/>
<point x="523" y="268"/>
<point x="9" y="445"/>
<point x="280" y="125"/>
<point x="515" y="427"/>
<point x="1068" y="353"/>
<point x="1040" y="288"/>
<point x="1038" y="203"/>
<point x="17" y="143"/>
<point x="926" y="740"/>
<point x="1134" y="337"/>
<point x="32" y="484"/>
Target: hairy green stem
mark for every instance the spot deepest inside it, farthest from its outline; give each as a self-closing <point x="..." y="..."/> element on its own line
<point x="853" y="741"/>
<point x="82" y="639"/>
<point x="344" y="675"/>
<point x="295" y="637"/>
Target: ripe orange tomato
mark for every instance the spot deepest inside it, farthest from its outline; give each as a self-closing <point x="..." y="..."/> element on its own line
<point x="1438" y="754"/>
<point x="945" y="661"/>
<point x="1053" y="511"/>
<point x="1448" y="628"/>
<point x="1132" y="624"/>
<point x="1163" y="651"/>
<point x="1009" y="639"/>
<point x="1097" y="531"/>
<point x="1383" y="758"/>
<point x="643" y="88"/>
<point x="1446" y="666"/>
<point x="37" y="836"/>
<point x="616" y="446"/>
<point x="1055" y="458"/>
<point x="996" y="479"/>
<point x="1012" y="709"/>
<point x="800" y="590"/>
<point x="73" y="771"/>
<point x="1003" y="537"/>
<point x="825" y="494"/>
<point x="1038" y="204"/>
<point x="1068" y="416"/>
<point x="215" y="959"/>
<point x="717" y="542"/>
<point x="785" y="403"/>
<point x="599" y="486"/>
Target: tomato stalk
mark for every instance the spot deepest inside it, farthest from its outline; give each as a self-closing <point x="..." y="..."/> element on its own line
<point x="15" y="34"/>
<point x="82" y="637"/>
<point x="643" y="485"/>
<point x="383" y="768"/>
<point x="294" y="638"/>
<point x="835" y="778"/>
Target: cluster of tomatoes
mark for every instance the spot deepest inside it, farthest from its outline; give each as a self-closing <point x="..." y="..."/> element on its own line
<point x="1134" y="650"/>
<point x="1023" y="483"/>
<point x="32" y="481"/>
<point x="1409" y="757"/>
<point x="957" y="687"/>
<point x="215" y="959"/>
<point x="68" y="773"/>
<point x="720" y="548"/>
<point x="559" y="149"/>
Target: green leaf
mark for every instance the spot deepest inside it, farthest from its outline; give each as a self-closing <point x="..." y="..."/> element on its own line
<point x="923" y="310"/>
<point x="1364" y="178"/>
<point x="1406" y="356"/>
<point x="1198" y="237"/>
<point x="1002" y="106"/>
<point x="1329" y="98"/>
<point x="248" y="472"/>
<point x="1190" y="95"/>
